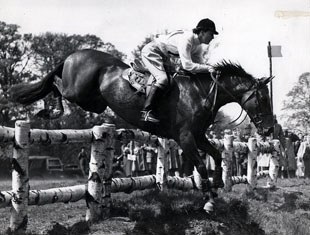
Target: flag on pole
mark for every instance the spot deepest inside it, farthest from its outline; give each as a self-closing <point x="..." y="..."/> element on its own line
<point x="274" y="51"/>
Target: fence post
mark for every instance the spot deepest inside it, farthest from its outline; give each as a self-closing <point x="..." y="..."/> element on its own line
<point x="98" y="195"/>
<point x="227" y="162"/>
<point x="274" y="164"/>
<point x="252" y="163"/>
<point x="161" y="167"/>
<point x="20" y="179"/>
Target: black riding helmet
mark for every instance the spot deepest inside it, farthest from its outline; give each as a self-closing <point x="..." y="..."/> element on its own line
<point x="206" y="24"/>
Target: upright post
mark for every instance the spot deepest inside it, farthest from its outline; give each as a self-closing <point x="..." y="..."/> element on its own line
<point x="227" y="162"/>
<point x="270" y="74"/>
<point x="20" y="180"/>
<point x="252" y="164"/>
<point x="161" y="167"/>
<point x="98" y="196"/>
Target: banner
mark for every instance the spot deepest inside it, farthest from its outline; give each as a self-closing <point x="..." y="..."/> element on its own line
<point x="274" y="51"/>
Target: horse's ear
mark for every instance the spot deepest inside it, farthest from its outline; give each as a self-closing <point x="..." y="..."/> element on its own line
<point x="266" y="80"/>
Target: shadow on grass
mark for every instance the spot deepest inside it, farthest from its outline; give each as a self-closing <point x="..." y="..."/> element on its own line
<point x="174" y="212"/>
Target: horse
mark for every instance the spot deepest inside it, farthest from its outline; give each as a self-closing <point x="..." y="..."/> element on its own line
<point x="93" y="80"/>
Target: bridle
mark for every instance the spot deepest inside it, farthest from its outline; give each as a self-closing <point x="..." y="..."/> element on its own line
<point x="258" y="116"/>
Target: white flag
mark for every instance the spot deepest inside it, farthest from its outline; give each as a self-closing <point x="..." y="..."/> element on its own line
<point x="274" y="51"/>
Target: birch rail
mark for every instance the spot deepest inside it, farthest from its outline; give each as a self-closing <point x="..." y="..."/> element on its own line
<point x="127" y="185"/>
<point x="97" y="192"/>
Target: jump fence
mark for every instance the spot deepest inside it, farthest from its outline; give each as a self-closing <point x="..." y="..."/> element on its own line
<point x="97" y="192"/>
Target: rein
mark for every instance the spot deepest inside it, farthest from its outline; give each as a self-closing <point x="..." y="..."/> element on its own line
<point x="215" y="80"/>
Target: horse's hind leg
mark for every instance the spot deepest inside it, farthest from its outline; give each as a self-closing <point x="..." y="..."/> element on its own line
<point x="55" y="109"/>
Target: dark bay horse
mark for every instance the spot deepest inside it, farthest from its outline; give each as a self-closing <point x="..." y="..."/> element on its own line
<point x="92" y="80"/>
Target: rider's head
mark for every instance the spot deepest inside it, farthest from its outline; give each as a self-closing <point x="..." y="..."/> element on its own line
<point x="205" y="30"/>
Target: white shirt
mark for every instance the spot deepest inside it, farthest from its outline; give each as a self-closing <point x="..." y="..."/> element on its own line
<point x="186" y="45"/>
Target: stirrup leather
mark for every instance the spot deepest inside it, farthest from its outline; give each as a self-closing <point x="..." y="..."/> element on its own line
<point x="147" y="116"/>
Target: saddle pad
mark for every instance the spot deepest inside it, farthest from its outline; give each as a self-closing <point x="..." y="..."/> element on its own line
<point x="136" y="80"/>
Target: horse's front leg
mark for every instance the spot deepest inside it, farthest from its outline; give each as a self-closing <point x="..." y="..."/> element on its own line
<point x="190" y="151"/>
<point x="204" y="144"/>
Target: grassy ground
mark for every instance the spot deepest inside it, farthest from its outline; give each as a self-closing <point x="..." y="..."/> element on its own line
<point x="281" y="211"/>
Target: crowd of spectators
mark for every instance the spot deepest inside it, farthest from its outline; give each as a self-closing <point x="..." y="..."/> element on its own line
<point x="293" y="159"/>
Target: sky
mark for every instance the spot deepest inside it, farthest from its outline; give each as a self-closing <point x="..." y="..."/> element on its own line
<point x="245" y="28"/>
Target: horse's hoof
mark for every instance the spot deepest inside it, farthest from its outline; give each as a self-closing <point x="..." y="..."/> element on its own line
<point x="209" y="207"/>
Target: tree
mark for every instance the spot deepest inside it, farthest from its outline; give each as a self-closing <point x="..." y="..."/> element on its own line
<point x="297" y="104"/>
<point x="14" y="60"/>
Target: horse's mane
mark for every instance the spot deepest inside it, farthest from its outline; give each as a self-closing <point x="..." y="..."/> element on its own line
<point x="231" y="69"/>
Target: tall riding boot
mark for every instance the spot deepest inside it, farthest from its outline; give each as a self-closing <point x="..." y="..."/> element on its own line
<point x="149" y="105"/>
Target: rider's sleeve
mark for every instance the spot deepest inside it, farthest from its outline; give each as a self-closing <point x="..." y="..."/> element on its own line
<point x="185" y="48"/>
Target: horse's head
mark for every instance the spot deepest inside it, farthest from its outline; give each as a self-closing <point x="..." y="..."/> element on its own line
<point x="252" y="94"/>
<point x="256" y="101"/>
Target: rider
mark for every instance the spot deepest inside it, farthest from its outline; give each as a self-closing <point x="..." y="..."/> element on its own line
<point x="185" y="44"/>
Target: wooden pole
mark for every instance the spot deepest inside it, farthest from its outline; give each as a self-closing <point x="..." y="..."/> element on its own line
<point x="98" y="196"/>
<point x="227" y="162"/>
<point x="252" y="164"/>
<point x="270" y="74"/>
<point x="107" y="176"/>
<point x="161" y="166"/>
<point x="20" y="179"/>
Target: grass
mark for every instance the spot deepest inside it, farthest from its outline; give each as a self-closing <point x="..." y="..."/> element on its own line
<point x="281" y="211"/>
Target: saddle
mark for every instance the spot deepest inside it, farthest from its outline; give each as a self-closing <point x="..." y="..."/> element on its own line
<point x="138" y="76"/>
<point x="141" y="79"/>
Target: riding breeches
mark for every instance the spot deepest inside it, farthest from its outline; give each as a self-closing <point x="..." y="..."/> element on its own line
<point x="154" y="60"/>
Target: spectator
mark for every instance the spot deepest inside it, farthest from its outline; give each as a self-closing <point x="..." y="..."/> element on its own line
<point x="263" y="158"/>
<point x="238" y="156"/>
<point x="298" y="142"/>
<point x="127" y="163"/>
<point x="174" y="160"/>
<point x="142" y="165"/>
<point x="84" y="161"/>
<point x="289" y="152"/>
<point x="300" y="172"/>
<point x="304" y="153"/>
<point x="274" y="158"/>
<point x="138" y="166"/>
<point x="279" y="135"/>
<point x="151" y="157"/>
<point x="243" y="154"/>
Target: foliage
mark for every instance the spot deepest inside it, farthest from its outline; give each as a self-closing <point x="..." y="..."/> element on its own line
<point x="14" y="60"/>
<point x="52" y="48"/>
<point x="297" y="104"/>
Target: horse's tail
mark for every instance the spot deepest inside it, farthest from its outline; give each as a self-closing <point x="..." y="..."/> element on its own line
<point x="27" y="93"/>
